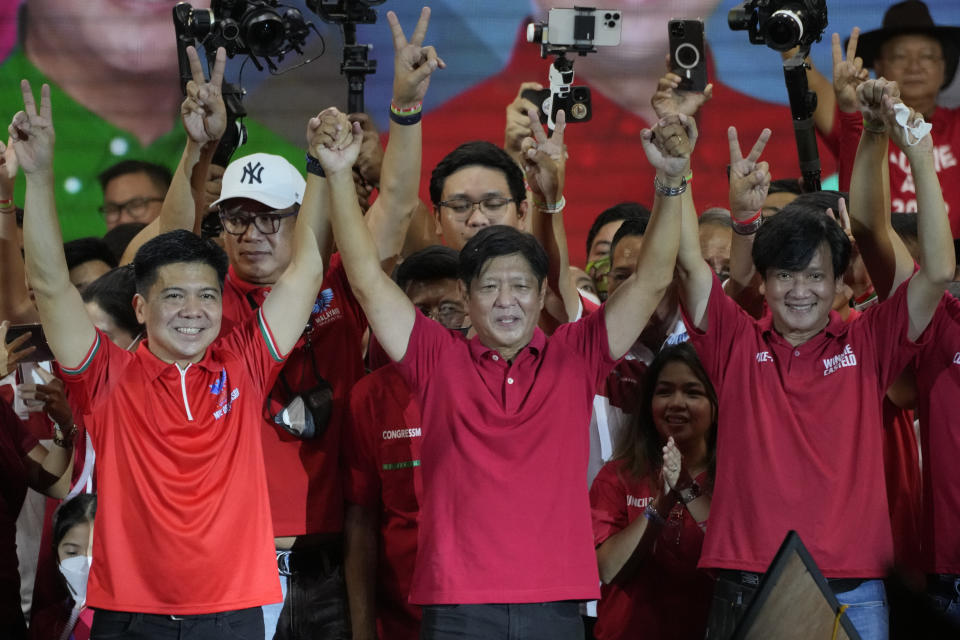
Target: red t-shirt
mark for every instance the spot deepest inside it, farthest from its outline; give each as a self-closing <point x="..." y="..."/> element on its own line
<point x="938" y="380"/>
<point x="382" y="460"/>
<point x="183" y="522"/>
<point x="668" y="597"/>
<point x="903" y="197"/>
<point x="303" y="476"/>
<point x="505" y="513"/>
<point x="607" y="164"/>
<point x="800" y="441"/>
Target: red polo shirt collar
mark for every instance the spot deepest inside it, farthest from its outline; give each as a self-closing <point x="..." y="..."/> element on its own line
<point x="479" y="351"/>
<point x="154" y="367"/>
<point x="834" y="327"/>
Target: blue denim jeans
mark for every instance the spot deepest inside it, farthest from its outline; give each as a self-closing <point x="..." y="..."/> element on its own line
<point x="314" y="604"/>
<point x="944" y="593"/>
<point x="529" y="621"/>
<point x="867" y="610"/>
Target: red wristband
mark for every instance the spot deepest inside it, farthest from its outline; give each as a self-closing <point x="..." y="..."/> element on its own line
<point x="752" y="218"/>
<point x="866" y="295"/>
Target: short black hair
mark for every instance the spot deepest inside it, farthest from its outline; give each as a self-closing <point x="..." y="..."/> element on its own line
<point x="436" y="262"/>
<point x="789" y="239"/>
<point x="717" y="216"/>
<point x="159" y="175"/>
<point x="172" y="248"/>
<point x="478" y="153"/>
<point x="83" y="250"/>
<point x="630" y="227"/>
<point x="785" y="185"/>
<point x="821" y="200"/>
<point x="80" y="508"/>
<point x="501" y="240"/>
<point x="622" y="211"/>
<point x="120" y="236"/>
<point x="113" y="292"/>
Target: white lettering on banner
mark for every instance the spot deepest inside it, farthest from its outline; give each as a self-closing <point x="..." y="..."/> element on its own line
<point x="943" y="157"/>
<point x="907" y="186"/>
<point x="764" y="356"/>
<point x="845" y="358"/>
<point x="638" y="502"/>
<point x="393" y="434"/>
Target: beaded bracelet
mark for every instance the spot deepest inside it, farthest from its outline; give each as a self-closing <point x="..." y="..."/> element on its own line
<point x="556" y="207"/>
<point x="664" y="190"/>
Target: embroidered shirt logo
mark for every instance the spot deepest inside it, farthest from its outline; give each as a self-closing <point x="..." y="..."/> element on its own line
<point x="252" y="173"/>
<point x="846" y="358"/>
<point x="764" y="356"/>
<point x="323" y="301"/>
<point x="226" y="405"/>
<point x="217" y="386"/>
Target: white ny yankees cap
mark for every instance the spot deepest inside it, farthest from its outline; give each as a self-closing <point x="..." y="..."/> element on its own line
<point x="263" y="177"/>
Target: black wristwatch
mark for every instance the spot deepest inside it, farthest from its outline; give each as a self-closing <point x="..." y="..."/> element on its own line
<point x="690" y="494"/>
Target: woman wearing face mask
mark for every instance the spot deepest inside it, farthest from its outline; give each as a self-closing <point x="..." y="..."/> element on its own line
<point x="72" y="540"/>
<point x="650" y="505"/>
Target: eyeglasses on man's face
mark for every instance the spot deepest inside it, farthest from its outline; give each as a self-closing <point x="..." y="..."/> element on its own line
<point x="237" y="221"/>
<point x="135" y="208"/>
<point x="491" y="206"/>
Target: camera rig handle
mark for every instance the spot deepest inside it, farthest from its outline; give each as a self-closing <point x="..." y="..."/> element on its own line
<point x="356" y="66"/>
<point x="803" y="103"/>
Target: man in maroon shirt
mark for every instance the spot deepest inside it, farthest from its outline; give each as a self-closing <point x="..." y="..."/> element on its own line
<point x="505" y="533"/>
<point x="776" y="377"/>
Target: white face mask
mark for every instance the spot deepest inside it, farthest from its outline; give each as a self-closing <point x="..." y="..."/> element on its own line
<point x="75" y="570"/>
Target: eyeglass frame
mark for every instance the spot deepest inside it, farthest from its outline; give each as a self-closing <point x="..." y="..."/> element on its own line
<point x="110" y="211"/>
<point x="252" y="218"/>
<point x="474" y="204"/>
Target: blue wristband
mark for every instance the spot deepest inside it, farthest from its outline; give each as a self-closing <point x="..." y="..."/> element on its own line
<point x="314" y="166"/>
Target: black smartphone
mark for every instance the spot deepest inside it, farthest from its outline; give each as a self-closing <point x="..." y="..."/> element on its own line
<point x="688" y="57"/>
<point x="37" y="339"/>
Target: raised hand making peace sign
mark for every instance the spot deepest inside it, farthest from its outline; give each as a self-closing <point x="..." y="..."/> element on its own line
<point x="31" y="131"/>
<point x="203" y="112"/>
<point x="847" y="73"/>
<point x="545" y="159"/>
<point x="413" y="63"/>
<point x="749" y="179"/>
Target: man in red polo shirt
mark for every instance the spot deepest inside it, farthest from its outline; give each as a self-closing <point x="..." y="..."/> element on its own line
<point x="504" y="537"/>
<point x="780" y="464"/>
<point x="934" y="374"/>
<point x="382" y="466"/>
<point x="174" y="423"/>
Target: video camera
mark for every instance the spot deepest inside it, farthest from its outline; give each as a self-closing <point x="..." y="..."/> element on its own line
<point x="780" y="24"/>
<point x="578" y="30"/>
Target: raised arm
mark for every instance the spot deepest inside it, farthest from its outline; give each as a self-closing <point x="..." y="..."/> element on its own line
<point x="937" y="261"/>
<point x="413" y="65"/>
<point x="749" y="183"/>
<point x="668" y="147"/>
<point x="886" y="257"/>
<point x="204" y="118"/>
<point x="544" y="162"/>
<point x="15" y="302"/>
<point x="389" y="311"/>
<point x="68" y="329"/>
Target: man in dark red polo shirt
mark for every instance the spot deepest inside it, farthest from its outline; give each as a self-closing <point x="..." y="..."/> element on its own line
<point x="382" y="466"/>
<point x="934" y="377"/>
<point x="504" y="537"/>
<point x="174" y="423"/>
<point x="781" y="466"/>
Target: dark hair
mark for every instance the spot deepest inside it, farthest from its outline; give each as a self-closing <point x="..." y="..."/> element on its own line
<point x="80" y="508"/>
<point x="113" y="292"/>
<point x="159" y="175"/>
<point x="639" y="444"/>
<point x="436" y="262"/>
<point x="622" y="211"/>
<point x="120" y="236"/>
<point x="821" y="200"/>
<point x="717" y="216"/>
<point x="478" y="153"/>
<point x="785" y="185"/>
<point x="789" y="239"/>
<point x="172" y="248"/>
<point x="501" y="240"/>
<point x="83" y="250"/>
<point x="630" y="227"/>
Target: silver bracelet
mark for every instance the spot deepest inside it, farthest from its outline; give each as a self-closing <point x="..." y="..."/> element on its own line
<point x="556" y="207"/>
<point x="664" y="190"/>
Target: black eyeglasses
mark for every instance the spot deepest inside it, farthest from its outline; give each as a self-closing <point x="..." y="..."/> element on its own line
<point x="134" y="207"/>
<point x="463" y="207"/>
<point x="236" y="223"/>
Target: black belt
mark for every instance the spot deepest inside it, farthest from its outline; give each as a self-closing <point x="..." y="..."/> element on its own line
<point x="752" y="579"/>
<point x="319" y="560"/>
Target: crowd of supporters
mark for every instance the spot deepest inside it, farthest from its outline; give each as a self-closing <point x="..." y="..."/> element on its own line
<point x="268" y="404"/>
